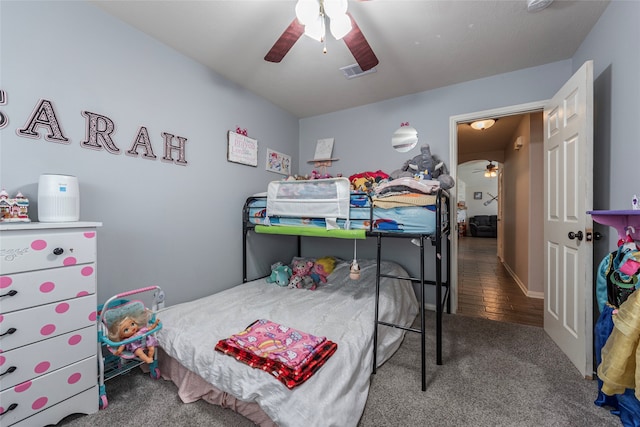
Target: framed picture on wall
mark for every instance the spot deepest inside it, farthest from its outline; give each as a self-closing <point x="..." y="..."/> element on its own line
<point x="242" y="149"/>
<point x="278" y="162"/>
<point x="477" y="195"/>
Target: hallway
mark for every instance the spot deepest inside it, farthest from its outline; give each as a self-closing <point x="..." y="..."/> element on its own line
<point x="486" y="289"/>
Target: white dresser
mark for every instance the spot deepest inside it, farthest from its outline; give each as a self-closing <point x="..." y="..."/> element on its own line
<point x="48" y="336"/>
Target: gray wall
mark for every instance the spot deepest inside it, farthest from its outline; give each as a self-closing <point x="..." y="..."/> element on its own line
<point x="363" y="135"/>
<point x="614" y="46"/>
<point x="178" y="227"/>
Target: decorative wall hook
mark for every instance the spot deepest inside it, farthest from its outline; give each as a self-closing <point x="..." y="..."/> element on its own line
<point x="404" y="124"/>
<point x="241" y="131"/>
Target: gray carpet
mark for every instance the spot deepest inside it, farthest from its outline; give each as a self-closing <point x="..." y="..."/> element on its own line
<point x="494" y="374"/>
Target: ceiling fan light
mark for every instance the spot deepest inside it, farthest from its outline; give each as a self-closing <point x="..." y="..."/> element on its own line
<point x="315" y="29"/>
<point x="335" y="8"/>
<point x="483" y="124"/>
<point x="307" y="11"/>
<point x="340" y="26"/>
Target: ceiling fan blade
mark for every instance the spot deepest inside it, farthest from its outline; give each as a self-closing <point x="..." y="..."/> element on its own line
<point x="286" y="41"/>
<point x="359" y="47"/>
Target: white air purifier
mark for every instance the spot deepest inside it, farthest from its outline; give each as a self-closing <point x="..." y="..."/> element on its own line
<point x="58" y="198"/>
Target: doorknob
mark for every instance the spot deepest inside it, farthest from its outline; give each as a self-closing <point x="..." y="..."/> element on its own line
<point x="577" y="235"/>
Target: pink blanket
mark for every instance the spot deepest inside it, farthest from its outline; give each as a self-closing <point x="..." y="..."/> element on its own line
<point x="268" y="339"/>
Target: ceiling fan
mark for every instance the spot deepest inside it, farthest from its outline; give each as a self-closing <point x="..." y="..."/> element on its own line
<point x="311" y="19"/>
<point x="490" y="171"/>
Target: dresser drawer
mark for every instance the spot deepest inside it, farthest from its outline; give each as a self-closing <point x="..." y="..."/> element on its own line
<point x="48" y="390"/>
<point x="27" y="250"/>
<point x="23" y="290"/>
<point x="27" y="362"/>
<point x="46" y="321"/>
<point x="83" y="403"/>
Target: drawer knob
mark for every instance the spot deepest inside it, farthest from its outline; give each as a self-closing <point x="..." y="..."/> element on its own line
<point x="10" y="408"/>
<point x="11" y="293"/>
<point x="58" y="251"/>
<point x="9" y="332"/>
<point x="9" y="370"/>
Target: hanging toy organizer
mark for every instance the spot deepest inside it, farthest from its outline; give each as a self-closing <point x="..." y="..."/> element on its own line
<point x="618" y="270"/>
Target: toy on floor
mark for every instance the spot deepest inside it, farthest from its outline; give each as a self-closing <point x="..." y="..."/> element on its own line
<point x="122" y="322"/>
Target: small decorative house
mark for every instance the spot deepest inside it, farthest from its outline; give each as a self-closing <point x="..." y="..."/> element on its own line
<point x="14" y="209"/>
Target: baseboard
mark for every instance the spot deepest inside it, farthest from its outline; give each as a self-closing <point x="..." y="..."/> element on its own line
<point x="523" y="288"/>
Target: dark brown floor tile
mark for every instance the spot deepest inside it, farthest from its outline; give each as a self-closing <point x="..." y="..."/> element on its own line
<point x="486" y="289"/>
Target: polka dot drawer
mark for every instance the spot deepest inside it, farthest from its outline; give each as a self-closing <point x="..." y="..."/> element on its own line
<point x="48" y="335"/>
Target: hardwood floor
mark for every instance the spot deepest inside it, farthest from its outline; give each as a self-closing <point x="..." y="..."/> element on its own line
<point x="486" y="289"/>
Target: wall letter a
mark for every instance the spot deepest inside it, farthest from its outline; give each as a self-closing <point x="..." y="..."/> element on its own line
<point x="44" y="115"/>
<point x="142" y="140"/>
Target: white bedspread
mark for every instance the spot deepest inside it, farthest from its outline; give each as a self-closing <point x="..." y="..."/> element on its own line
<point x="342" y="311"/>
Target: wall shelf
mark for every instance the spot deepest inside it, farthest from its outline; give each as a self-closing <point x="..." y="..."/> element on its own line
<point x="619" y="220"/>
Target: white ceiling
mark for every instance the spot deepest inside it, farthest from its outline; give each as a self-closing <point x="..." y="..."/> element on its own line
<point x="421" y="44"/>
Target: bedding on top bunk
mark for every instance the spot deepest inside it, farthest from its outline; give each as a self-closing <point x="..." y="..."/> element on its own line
<point x="342" y="310"/>
<point x="403" y="205"/>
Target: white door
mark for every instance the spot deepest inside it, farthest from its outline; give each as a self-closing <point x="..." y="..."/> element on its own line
<point x="568" y="179"/>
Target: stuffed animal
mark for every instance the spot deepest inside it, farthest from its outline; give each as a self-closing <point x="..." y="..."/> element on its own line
<point x="426" y="166"/>
<point x="367" y="181"/>
<point x="280" y="274"/>
<point x="322" y="268"/>
<point x="319" y="175"/>
<point x="362" y="184"/>
<point x="300" y="278"/>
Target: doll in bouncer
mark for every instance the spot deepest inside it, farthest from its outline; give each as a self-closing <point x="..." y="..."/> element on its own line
<point x="129" y="327"/>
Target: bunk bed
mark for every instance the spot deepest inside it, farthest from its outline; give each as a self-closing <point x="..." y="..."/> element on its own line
<point x="340" y="310"/>
<point x="302" y="209"/>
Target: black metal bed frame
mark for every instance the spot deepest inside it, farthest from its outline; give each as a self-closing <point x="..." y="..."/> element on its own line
<point x="440" y="240"/>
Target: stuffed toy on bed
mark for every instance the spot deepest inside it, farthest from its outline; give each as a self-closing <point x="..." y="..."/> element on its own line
<point x="322" y="268"/>
<point x="427" y="166"/>
<point x="300" y="278"/>
<point x="280" y="274"/>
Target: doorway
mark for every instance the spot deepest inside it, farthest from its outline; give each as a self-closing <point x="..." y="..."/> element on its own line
<point x="523" y="262"/>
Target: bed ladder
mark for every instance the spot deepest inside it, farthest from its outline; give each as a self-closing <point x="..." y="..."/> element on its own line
<point x="442" y="298"/>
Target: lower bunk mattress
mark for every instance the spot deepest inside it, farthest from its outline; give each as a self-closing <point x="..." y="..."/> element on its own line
<point x="342" y="310"/>
<point x="384" y="215"/>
